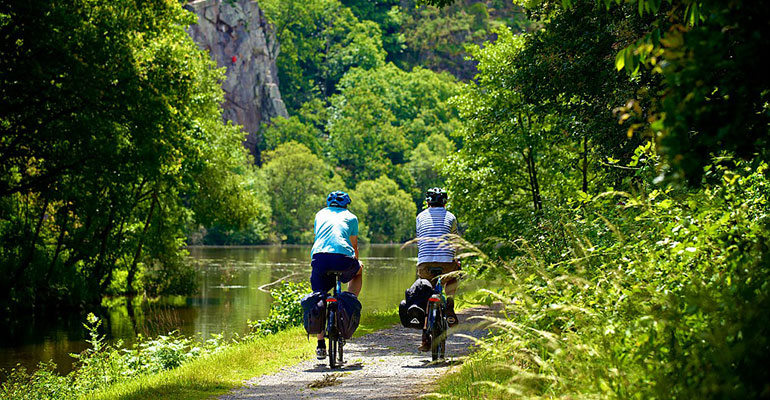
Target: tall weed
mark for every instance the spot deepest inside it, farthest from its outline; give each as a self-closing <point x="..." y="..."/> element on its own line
<point x="659" y="295"/>
<point x="103" y="364"/>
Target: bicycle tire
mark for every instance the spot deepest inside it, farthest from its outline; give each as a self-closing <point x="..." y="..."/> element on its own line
<point x="332" y="341"/>
<point x="434" y="331"/>
<point x="444" y="329"/>
<point x="340" y="344"/>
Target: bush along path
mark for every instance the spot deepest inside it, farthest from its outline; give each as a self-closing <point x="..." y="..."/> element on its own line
<point x="381" y="365"/>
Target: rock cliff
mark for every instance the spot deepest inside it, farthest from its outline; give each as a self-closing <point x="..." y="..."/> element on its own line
<point x="237" y="36"/>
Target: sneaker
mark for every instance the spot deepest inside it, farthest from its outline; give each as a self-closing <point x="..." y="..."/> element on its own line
<point x="451" y="317"/>
<point x="320" y="353"/>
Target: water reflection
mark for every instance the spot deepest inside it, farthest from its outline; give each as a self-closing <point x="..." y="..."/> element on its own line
<point x="228" y="296"/>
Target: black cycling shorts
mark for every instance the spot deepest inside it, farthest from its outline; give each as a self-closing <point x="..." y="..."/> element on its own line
<point x="324" y="262"/>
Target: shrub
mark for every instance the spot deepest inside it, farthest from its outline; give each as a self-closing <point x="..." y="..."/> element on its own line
<point x="44" y="383"/>
<point x="104" y="364"/>
<point x="285" y="311"/>
<point x="674" y="306"/>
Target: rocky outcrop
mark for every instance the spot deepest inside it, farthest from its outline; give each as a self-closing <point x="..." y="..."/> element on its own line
<point x="237" y="36"/>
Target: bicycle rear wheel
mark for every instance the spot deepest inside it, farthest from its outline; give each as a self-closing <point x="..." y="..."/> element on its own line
<point x="340" y="344"/>
<point x="333" y="341"/>
<point x="444" y="333"/>
<point x="434" y="330"/>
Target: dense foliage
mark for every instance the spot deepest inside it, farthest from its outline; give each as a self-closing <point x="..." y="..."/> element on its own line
<point x="322" y="40"/>
<point x="663" y="296"/>
<point x="112" y="141"/>
<point x="103" y="364"/>
<point x="633" y="256"/>
<point x="364" y="87"/>
<point x="285" y="310"/>
<point x="610" y="158"/>
<point x="715" y="96"/>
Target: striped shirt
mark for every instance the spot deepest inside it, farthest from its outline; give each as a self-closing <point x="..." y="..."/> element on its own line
<point x="435" y="222"/>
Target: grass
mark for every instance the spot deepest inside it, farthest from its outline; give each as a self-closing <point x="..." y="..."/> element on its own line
<point x="326" y="381"/>
<point x="219" y="373"/>
<point x="467" y="381"/>
<point x="376" y="321"/>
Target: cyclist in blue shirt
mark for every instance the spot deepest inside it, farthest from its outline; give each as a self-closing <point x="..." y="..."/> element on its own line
<point x="434" y="251"/>
<point x="335" y="249"/>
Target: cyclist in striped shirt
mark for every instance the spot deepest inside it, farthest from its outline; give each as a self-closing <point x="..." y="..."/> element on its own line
<point x="433" y="224"/>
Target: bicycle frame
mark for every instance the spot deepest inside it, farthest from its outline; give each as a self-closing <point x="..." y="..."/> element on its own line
<point x="435" y="323"/>
<point x="332" y="332"/>
<point x="437" y="290"/>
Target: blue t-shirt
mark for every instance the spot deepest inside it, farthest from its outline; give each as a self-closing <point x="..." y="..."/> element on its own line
<point x="435" y="223"/>
<point x="333" y="228"/>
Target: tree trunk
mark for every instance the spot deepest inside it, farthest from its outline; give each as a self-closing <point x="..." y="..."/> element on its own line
<point x="534" y="185"/>
<point x="31" y="252"/>
<point x="59" y="242"/>
<point x="99" y="271"/>
<point x="585" y="164"/>
<point x="535" y="181"/>
<point x="138" y="253"/>
<point x="77" y="242"/>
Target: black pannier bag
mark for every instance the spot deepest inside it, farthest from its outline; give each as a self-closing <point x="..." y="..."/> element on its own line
<point x="349" y="315"/>
<point x="314" y="312"/>
<point x="411" y="311"/>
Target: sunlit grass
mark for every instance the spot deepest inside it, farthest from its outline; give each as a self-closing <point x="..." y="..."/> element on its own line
<point x="376" y="321"/>
<point x="217" y="374"/>
<point x="467" y="382"/>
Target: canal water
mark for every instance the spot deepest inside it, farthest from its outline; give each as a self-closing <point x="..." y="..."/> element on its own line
<point x="231" y="291"/>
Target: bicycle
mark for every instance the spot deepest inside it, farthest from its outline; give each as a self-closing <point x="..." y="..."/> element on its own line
<point x="332" y="332"/>
<point x="436" y="321"/>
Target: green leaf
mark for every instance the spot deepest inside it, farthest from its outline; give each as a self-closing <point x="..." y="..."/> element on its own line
<point x="628" y="60"/>
<point x="620" y="60"/>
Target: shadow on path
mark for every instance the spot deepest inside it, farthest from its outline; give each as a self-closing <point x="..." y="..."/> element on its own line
<point x="382" y="365"/>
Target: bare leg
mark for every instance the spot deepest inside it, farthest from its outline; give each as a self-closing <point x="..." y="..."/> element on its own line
<point x="355" y="284"/>
<point x="450" y="287"/>
<point x="320" y="336"/>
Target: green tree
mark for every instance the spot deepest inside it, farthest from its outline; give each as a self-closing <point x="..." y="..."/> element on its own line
<point x="298" y="182"/>
<point x="498" y="174"/>
<point x="425" y="162"/>
<point x="112" y="139"/>
<point x="714" y="99"/>
<point x="320" y="41"/>
<point x="390" y="214"/>
<point x="417" y="99"/>
<point x="380" y="114"/>
<point x="582" y="92"/>
<point x="540" y="127"/>
<point x="284" y="130"/>
<point x="387" y="15"/>
<point x="435" y="38"/>
<point x="363" y="139"/>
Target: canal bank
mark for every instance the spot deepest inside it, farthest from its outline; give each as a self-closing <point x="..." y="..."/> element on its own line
<point x="228" y="295"/>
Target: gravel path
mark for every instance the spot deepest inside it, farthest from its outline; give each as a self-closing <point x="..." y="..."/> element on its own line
<point x="382" y="365"/>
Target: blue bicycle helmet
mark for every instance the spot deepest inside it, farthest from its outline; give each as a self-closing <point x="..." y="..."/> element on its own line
<point x="338" y="199"/>
<point x="436" y="197"/>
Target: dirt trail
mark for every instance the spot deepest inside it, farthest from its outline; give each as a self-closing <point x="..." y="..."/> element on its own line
<point x="382" y="365"/>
